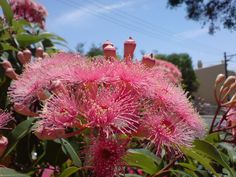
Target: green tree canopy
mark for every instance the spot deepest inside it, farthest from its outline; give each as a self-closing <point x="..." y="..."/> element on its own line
<point x="184" y="62"/>
<point x="94" y="51"/>
<point x="215" y="13"/>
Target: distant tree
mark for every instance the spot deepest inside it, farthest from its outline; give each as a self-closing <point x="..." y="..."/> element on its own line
<point x="184" y="63"/>
<point x="80" y="48"/>
<point x="215" y="13"/>
<point x="94" y="51"/>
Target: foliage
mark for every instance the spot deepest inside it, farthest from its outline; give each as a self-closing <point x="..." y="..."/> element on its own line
<point x="94" y="51"/>
<point x="184" y="63"/>
<point x="213" y="12"/>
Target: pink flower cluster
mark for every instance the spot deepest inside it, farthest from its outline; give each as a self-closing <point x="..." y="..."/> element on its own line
<point x="110" y="98"/>
<point x="29" y="10"/>
<point x="172" y="73"/>
<point x="4" y="119"/>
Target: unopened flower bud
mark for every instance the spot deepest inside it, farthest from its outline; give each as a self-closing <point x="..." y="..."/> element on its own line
<point x="58" y="87"/>
<point x="27" y="55"/>
<point x="230" y="80"/>
<point x="6" y="64"/>
<point x="45" y="55"/>
<point x="21" y="58"/>
<point x="22" y="109"/>
<point x="44" y="133"/>
<point x="232" y="88"/>
<point x="3" y="144"/>
<point x="42" y="94"/>
<point x="129" y="47"/>
<point x="110" y="52"/>
<point x="148" y="61"/>
<point x="220" y="78"/>
<point x="39" y="52"/>
<point x="10" y="72"/>
<point x="106" y="43"/>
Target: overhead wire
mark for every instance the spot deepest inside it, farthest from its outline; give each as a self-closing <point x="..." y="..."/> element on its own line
<point x="149" y="24"/>
<point x="119" y="22"/>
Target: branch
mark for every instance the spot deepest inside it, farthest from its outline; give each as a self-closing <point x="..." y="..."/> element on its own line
<point x="166" y="168"/>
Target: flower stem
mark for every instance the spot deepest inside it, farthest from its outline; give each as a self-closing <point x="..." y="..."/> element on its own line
<point x="166" y="168"/>
<point x="214" y="119"/>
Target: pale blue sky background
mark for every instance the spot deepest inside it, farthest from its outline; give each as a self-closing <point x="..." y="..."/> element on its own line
<point x="149" y="22"/>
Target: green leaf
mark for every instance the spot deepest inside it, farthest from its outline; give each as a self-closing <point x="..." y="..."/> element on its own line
<point x="6" y="8"/>
<point x="191" y="152"/>
<point x="213" y="137"/>
<point x="69" y="171"/>
<point x="212" y="153"/>
<point x="188" y="165"/>
<point x="144" y="159"/>
<point x="18" y="133"/>
<point x="47" y="35"/>
<point x="132" y="175"/>
<point x="25" y="40"/>
<point x="7" y="172"/>
<point x="7" y="46"/>
<point x="176" y="172"/>
<point x="71" y="152"/>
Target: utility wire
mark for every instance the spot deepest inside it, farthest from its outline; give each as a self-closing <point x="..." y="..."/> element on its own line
<point x="148" y="24"/>
<point x="117" y="21"/>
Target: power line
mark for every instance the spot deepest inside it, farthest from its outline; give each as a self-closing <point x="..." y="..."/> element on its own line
<point x="141" y="21"/>
<point x="120" y="22"/>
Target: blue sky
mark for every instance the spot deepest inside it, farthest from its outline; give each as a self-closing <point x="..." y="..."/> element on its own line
<point x="149" y="22"/>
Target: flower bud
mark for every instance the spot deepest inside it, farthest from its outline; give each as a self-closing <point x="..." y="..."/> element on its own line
<point x="106" y="43"/>
<point x="22" y="109"/>
<point x="219" y="79"/>
<point x="44" y="133"/>
<point x="42" y="94"/>
<point x="45" y="55"/>
<point x="6" y="64"/>
<point x="148" y="61"/>
<point x="27" y="55"/>
<point x="39" y="52"/>
<point x="230" y="80"/>
<point x="110" y="52"/>
<point x="10" y="72"/>
<point x="21" y="58"/>
<point x="58" y="87"/>
<point x="232" y="88"/>
<point x="129" y="47"/>
<point x="3" y="144"/>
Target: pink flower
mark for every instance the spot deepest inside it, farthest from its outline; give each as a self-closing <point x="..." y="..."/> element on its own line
<point x="113" y="108"/>
<point x="61" y="110"/>
<point x="171" y="71"/>
<point x="113" y="97"/>
<point x="4" y="119"/>
<point x="105" y="157"/>
<point x="29" y="10"/>
<point x="167" y="132"/>
<point x="40" y="76"/>
<point x="174" y="101"/>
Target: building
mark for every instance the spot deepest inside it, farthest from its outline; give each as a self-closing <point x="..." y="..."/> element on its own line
<point x="206" y="77"/>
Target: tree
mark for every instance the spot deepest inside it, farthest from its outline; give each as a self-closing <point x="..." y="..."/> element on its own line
<point x="94" y="51"/>
<point x="211" y="12"/>
<point x="184" y="63"/>
<point x="80" y="48"/>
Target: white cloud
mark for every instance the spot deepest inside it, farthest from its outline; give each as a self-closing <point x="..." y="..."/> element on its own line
<point x="190" y="34"/>
<point x="89" y="10"/>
